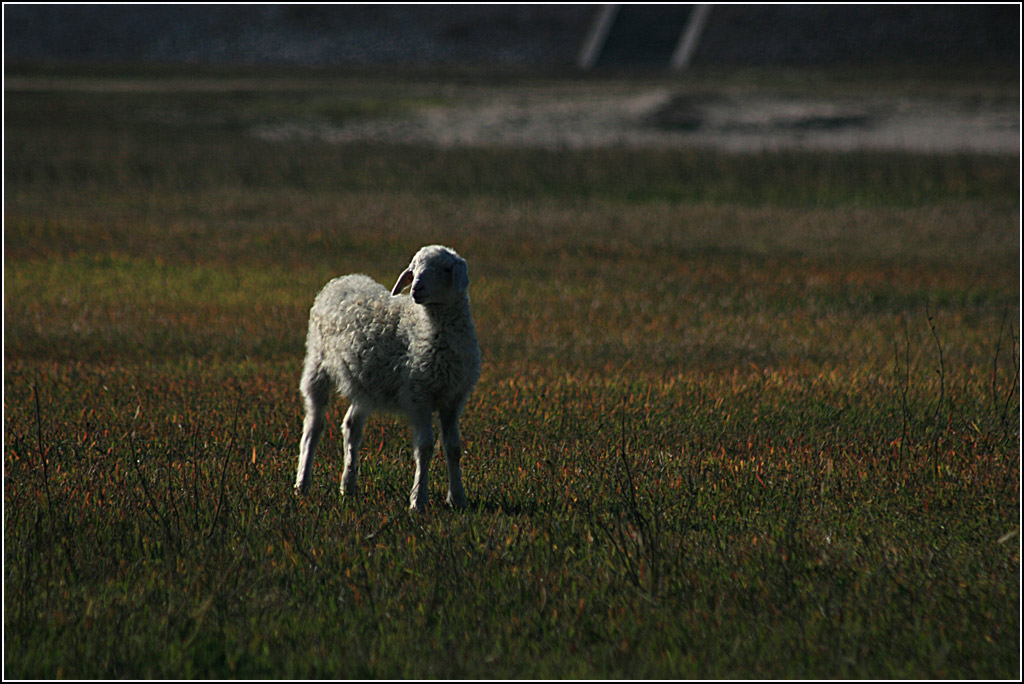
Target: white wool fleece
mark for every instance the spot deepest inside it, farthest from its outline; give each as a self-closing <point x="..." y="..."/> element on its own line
<point x="413" y="354"/>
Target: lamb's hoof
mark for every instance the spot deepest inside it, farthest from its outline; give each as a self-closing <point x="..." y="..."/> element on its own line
<point x="457" y="502"/>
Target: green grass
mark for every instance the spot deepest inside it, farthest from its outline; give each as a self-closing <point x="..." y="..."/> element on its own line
<point x="741" y="416"/>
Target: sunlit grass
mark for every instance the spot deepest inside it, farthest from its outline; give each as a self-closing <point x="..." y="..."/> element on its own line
<point x="729" y="425"/>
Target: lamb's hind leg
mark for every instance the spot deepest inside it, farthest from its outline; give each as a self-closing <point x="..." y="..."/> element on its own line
<point x="452" y="442"/>
<point x="316" y="390"/>
<point x="352" y="429"/>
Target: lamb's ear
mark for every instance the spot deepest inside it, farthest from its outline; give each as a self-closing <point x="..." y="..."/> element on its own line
<point x="460" y="276"/>
<point x="403" y="282"/>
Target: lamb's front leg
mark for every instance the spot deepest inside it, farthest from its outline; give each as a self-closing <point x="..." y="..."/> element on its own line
<point x="453" y="454"/>
<point x="422" y="450"/>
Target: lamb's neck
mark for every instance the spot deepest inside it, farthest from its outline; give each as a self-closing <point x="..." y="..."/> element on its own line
<point x="454" y="315"/>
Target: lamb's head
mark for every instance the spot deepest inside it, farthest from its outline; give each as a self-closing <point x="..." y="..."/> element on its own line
<point x="438" y="275"/>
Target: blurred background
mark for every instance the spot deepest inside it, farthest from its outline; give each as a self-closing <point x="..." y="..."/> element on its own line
<point x="538" y="36"/>
<point x="931" y="78"/>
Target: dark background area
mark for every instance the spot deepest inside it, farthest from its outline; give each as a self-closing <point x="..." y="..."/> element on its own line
<point x="523" y="36"/>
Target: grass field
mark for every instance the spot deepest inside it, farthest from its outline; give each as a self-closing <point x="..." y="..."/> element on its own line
<point x="740" y="416"/>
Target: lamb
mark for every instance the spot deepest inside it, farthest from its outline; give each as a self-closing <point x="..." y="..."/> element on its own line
<point x="414" y="355"/>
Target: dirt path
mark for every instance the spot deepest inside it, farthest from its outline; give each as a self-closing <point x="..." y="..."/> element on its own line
<point x="580" y="115"/>
<point x="657" y="117"/>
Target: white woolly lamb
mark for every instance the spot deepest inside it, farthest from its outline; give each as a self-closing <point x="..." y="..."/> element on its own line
<point x="415" y="355"/>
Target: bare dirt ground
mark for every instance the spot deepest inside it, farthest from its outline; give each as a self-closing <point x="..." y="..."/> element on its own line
<point x="578" y="114"/>
<point x="664" y="118"/>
